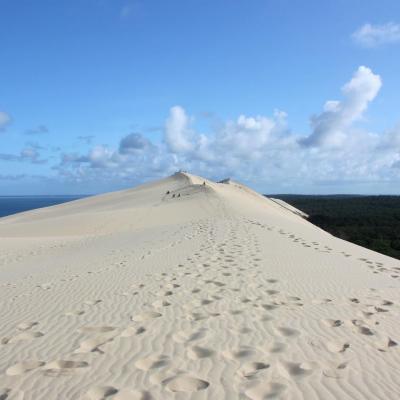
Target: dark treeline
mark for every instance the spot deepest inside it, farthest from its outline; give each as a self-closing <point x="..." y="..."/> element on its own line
<point x="369" y="221"/>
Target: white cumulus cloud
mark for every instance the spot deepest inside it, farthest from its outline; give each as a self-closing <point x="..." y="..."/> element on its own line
<point x="178" y="135"/>
<point x="333" y="126"/>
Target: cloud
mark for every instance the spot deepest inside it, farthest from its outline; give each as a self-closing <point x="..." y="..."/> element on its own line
<point x="132" y="143"/>
<point x="231" y="143"/>
<point x="40" y="129"/>
<point x="5" y="119"/>
<point x="260" y="150"/>
<point x="178" y="134"/>
<point x="245" y="139"/>
<point x="27" y="154"/>
<point x="135" y="159"/>
<point x="332" y="126"/>
<point x="391" y="139"/>
<point x="376" y="35"/>
<point x="99" y="157"/>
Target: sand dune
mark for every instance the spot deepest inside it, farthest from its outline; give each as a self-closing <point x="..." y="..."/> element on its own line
<point x="183" y="290"/>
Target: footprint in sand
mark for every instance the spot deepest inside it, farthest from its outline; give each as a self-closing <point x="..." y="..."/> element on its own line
<point x="266" y="318"/>
<point x="321" y="301"/>
<point x="191" y="336"/>
<point x="25" y="336"/>
<point x="152" y="362"/>
<point x="333" y="323"/>
<point x="100" y="392"/>
<point x="194" y="316"/>
<point x="44" y="286"/>
<point x="287" y="332"/>
<point x="385" y="344"/>
<point x="93" y="344"/>
<point x="146" y="316"/>
<point x="260" y="390"/>
<point x="239" y="353"/>
<point x="294" y="298"/>
<point x="64" y="367"/>
<point x="97" y="329"/>
<point x="362" y="328"/>
<point x="276" y="347"/>
<point x="197" y="352"/>
<point x="198" y="303"/>
<point x="297" y="370"/>
<point x="366" y="314"/>
<point x="380" y="309"/>
<point x="133" y="331"/>
<point x="185" y="383"/>
<point x="336" y="371"/>
<point x="23" y="367"/>
<point x="160" y="303"/>
<point x="24" y="326"/>
<point x="245" y="300"/>
<point x="250" y="369"/>
<point x="270" y="307"/>
<point x="130" y="394"/>
<point x="170" y="286"/>
<point x="92" y="302"/>
<point x="235" y="312"/>
<point x="335" y="347"/>
<point x="74" y="313"/>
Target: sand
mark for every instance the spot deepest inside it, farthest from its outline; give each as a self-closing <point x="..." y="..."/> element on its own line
<point x="209" y="292"/>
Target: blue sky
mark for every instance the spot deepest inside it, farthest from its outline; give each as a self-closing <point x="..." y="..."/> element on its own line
<point x="286" y="96"/>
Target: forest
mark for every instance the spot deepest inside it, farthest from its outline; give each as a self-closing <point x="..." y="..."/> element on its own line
<point x="369" y="221"/>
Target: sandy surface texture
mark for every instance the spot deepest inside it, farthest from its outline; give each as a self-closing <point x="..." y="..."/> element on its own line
<point x="183" y="290"/>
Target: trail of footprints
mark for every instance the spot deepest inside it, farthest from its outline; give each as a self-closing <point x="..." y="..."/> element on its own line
<point x="182" y="234"/>
<point x="205" y="291"/>
<point x="375" y="266"/>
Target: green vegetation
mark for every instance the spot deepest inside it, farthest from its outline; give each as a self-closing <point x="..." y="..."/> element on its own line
<point x="369" y="221"/>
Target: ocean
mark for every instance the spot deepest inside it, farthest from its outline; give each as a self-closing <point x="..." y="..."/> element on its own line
<point x="15" y="204"/>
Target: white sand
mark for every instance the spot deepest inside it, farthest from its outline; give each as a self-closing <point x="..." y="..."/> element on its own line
<point x="219" y="293"/>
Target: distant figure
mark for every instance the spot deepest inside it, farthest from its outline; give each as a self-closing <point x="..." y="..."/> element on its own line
<point x="167" y="192"/>
<point x="179" y="195"/>
<point x="173" y="195"/>
<point x="204" y="183"/>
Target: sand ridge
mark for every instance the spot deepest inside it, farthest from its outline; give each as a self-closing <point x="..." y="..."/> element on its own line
<point x="216" y="293"/>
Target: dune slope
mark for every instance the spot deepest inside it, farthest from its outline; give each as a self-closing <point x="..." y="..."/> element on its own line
<point x="189" y="289"/>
